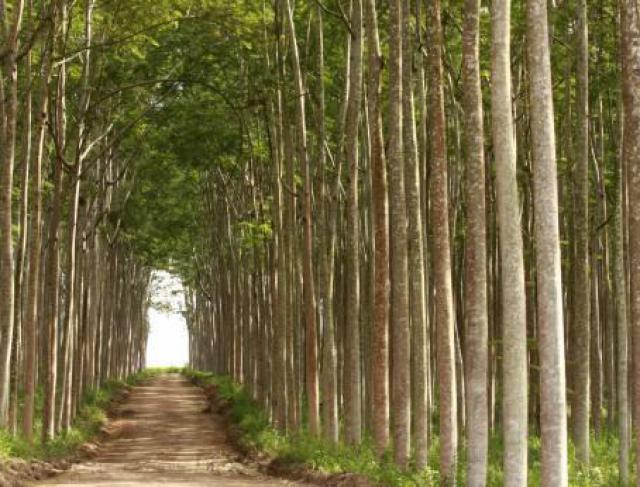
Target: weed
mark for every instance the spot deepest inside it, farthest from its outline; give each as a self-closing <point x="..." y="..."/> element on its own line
<point x="90" y="418"/>
<point x="302" y="448"/>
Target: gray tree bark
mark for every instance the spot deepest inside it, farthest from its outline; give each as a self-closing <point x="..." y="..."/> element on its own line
<point x="352" y="373"/>
<point x="444" y="315"/>
<point x="512" y="285"/>
<point x="553" y="409"/>
<point x="630" y="47"/>
<point x="476" y="313"/>
<point x="417" y="283"/>
<point x="380" y="210"/>
<point x="580" y="406"/>
<point x="401" y="392"/>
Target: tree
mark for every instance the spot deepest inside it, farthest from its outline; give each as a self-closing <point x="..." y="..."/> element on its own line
<point x="352" y="395"/>
<point x="308" y="279"/>
<point x="553" y="420"/>
<point x="417" y="282"/>
<point x="380" y="210"/>
<point x="622" y="328"/>
<point x="328" y="212"/>
<point x="35" y="242"/>
<point x="512" y="291"/>
<point x="9" y="95"/>
<point x="476" y="358"/>
<point x="279" y="280"/>
<point x="630" y="47"/>
<point x="582" y="293"/>
<point x="445" y="355"/>
<point x="400" y="370"/>
<point x="52" y="262"/>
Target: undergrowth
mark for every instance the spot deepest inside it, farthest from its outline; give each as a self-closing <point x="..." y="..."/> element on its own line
<point x="302" y="448"/>
<point x="91" y="417"/>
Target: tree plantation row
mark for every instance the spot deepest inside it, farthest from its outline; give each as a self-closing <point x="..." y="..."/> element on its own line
<point x="72" y="295"/>
<point x="402" y="223"/>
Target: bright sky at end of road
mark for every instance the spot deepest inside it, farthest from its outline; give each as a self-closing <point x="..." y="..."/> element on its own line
<point x="168" y="343"/>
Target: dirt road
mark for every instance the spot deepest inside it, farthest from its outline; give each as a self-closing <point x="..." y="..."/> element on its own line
<point x="164" y="437"/>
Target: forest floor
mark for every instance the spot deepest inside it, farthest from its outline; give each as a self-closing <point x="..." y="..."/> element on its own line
<point x="164" y="433"/>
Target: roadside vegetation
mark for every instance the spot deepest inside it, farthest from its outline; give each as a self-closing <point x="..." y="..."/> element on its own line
<point x="91" y="417"/>
<point x="303" y="449"/>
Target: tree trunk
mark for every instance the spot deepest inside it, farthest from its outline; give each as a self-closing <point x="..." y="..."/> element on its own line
<point x="352" y="373"/>
<point x="582" y="297"/>
<point x="21" y="254"/>
<point x="35" y="244"/>
<point x="444" y="314"/>
<point x="553" y="413"/>
<point x="380" y="209"/>
<point x="328" y="218"/>
<point x="278" y="397"/>
<point x="401" y="371"/>
<point x="475" y="305"/>
<point x="630" y="47"/>
<point x="417" y="291"/>
<point x="308" y="279"/>
<point x="622" y="349"/>
<point x="512" y="284"/>
<point x="9" y="101"/>
<point x="52" y="262"/>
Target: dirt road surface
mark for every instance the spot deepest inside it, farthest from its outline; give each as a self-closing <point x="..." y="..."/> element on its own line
<point x="165" y="436"/>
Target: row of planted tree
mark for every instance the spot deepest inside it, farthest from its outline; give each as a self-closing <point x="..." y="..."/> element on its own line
<point x="378" y="233"/>
<point x="401" y="249"/>
<point x="73" y="297"/>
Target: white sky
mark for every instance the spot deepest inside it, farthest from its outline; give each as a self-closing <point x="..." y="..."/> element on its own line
<point x="168" y="338"/>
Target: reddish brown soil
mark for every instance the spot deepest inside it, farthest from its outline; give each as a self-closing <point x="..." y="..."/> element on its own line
<point x="165" y="434"/>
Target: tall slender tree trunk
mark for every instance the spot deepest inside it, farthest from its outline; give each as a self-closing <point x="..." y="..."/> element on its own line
<point x="417" y="284"/>
<point x="328" y="403"/>
<point x="630" y="47"/>
<point x="334" y="208"/>
<point x="21" y="253"/>
<point x="35" y="243"/>
<point x="622" y="327"/>
<point x="70" y="315"/>
<point x="476" y="356"/>
<point x="290" y="272"/>
<point x="380" y="210"/>
<point x="444" y="314"/>
<point x="278" y="398"/>
<point x="582" y="297"/>
<point x="9" y="101"/>
<point x="352" y="372"/>
<point x="64" y="414"/>
<point x="401" y="371"/>
<point x="313" y="400"/>
<point x="52" y="262"/>
<point x="512" y="285"/>
<point x="553" y="413"/>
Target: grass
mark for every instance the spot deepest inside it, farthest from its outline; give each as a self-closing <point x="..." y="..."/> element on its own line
<point x="302" y="448"/>
<point x="91" y="417"/>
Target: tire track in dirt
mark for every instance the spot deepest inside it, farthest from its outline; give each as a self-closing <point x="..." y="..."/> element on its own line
<point x="164" y="435"/>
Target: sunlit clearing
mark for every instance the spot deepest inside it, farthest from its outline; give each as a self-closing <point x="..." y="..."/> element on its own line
<point x="168" y="343"/>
